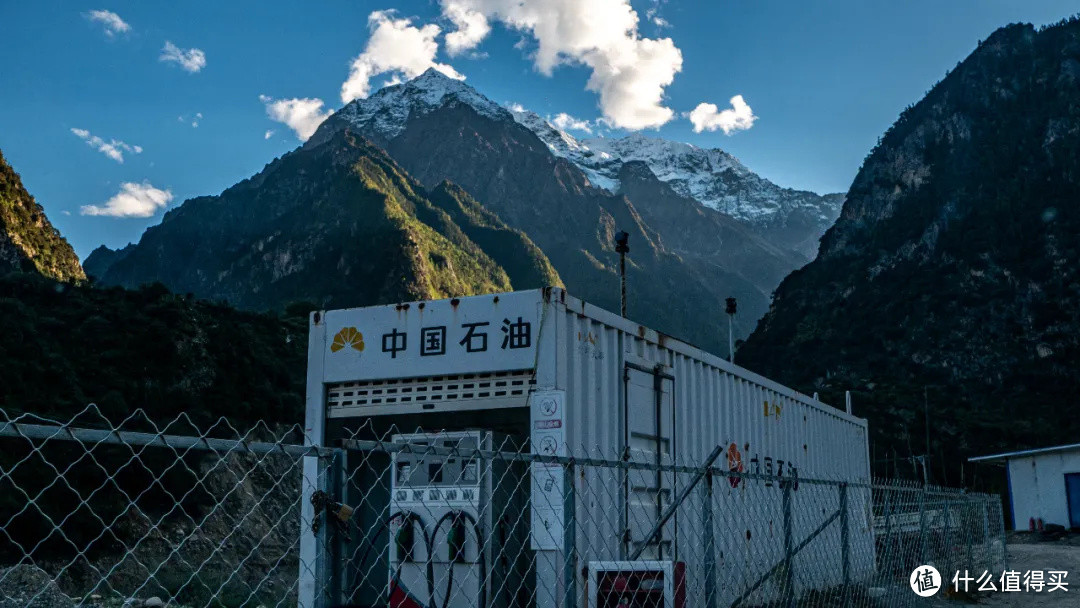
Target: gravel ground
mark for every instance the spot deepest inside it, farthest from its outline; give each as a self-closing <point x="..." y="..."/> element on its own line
<point x="1053" y="555"/>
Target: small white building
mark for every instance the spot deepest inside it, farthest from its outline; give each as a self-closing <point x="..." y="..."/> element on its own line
<point x="1043" y="484"/>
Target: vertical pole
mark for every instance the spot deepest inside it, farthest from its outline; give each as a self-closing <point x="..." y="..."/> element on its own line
<point x="926" y="423"/>
<point x="888" y="529"/>
<point x="569" y="538"/>
<point x="622" y="283"/>
<point x="922" y="526"/>
<point x="789" y="590"/>
<point x="986" y="534"/>
<point x="311" y="591"/>
<point x="1000" y="519"/>
<point x="730" y="339"/>
<point x="710" y="546"/>
<point x="948" y="541"/>
<point x="311" y="559"/>
<point x="336" y="547"/>
<point x="845" y="541"/>
<point x="968" y="532"/>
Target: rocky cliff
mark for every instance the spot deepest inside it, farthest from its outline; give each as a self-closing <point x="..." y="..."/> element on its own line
<point x="951" y="277"/>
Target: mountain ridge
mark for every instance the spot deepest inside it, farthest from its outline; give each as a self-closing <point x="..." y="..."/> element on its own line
<point x="339" y="223"/>
<point x="28" y="241"/>
<point x="437" y="130"/>
<point x="951" y="278"/>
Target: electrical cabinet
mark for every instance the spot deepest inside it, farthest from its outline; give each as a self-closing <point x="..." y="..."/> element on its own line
<point x="457" y="534"/>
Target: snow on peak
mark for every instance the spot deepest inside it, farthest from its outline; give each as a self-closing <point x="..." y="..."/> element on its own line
<point x="711" y="176"/>
<point x="388" y="109"/>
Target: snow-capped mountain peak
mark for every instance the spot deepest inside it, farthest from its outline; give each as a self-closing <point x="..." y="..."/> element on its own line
<point x="713" y="177"/>
<point x="387" y="110"/>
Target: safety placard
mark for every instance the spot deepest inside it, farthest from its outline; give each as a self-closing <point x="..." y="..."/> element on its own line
<point x="548" y="437"/>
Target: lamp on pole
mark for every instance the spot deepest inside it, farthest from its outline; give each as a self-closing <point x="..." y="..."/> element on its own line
<point x="729" y="308"/>
<point x="622" y="248"/>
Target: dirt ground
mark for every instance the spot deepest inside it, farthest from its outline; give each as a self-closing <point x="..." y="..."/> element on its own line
<point x="1051" y="555"/>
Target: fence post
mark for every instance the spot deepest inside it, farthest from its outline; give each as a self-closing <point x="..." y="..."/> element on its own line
<point x="1001" y="526"/>
<point x="845" y="541"/>
<point x="789" y="591"/>
<point x="337" y="548"/>
<point x="923" y="545"/>
<point x="968" y="531"/>
<point x="948" y="543"/>
<point x="710" y="546"/>
<point x="986" y="534"/>
<point x="312" y="559"/>
<point x="569" y="538"/>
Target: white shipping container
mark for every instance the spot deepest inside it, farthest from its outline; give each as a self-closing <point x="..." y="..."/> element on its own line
<point x="578" y="380"/>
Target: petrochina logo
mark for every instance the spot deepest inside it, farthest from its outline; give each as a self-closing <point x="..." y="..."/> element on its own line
<point x="348" y="337"/>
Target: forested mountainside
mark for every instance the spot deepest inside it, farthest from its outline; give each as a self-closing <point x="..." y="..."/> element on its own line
<point x="953" y="273"/>
<point x="685" y="255"/>
<point x="339" y="224"/>
<point x="28" y="241"/>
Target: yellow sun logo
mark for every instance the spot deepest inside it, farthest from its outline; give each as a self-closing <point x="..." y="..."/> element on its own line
<point x="348" y="336"/>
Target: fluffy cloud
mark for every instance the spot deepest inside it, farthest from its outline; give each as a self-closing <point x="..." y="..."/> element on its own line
<point x="395" y="45"/>
<point x="738" y="117"/>
<point x="113" y="148"/>
<point x="629" y="72"/>
<point x="111" y="21"/>
<point x="301" y="115"/>
<point x="566" y="122"/>
<point x="191" y="60"/>
<point x="269" y="133"/>
<point x="472" y="27"/>
<point x="133" y="200"/>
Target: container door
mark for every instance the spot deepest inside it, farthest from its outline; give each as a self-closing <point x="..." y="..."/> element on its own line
<point x="1072" y="492"/>
<point x="649" y="422"/>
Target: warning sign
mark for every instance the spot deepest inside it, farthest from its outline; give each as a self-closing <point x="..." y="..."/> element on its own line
<point x="549" y="439"/>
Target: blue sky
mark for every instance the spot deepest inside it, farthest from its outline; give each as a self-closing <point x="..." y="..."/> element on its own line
<point x="824" y="80"/>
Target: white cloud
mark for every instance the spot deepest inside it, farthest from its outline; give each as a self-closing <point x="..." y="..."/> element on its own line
<point x="653" y="14"/>
<point x="133" y="200"/>
<point x="195" y="121"/>
<point x="269" y="133"/>
<point x="629" y="72"/>
<point x="111" y="21"/>
<point x="191" y="60"/>
<point x="395" y="45"/>
<point x="738" y="117"/>
<point x="301" y="115"/>
<point x="472" y="27"/>
<point x="515" y="107"/>
<point x="113" y="148"/>
<point x="566" y="122"/>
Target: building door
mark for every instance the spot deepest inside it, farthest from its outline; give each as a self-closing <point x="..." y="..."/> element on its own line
<point x="1072" y="493"/>
<point x="648" y="438"/>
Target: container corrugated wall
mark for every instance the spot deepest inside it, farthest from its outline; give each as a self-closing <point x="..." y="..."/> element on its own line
<point x="715" y="403"/>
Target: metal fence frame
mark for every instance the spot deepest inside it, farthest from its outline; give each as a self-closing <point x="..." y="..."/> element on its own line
<point x="942" y="515"/>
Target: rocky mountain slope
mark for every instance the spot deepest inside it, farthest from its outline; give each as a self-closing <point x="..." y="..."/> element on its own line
<point x="953" y="273"/>
<point x="293" y="230"/>
<point x="790" y="219"/>
<point x="442" y="129"/>
<point x="339" y="224"/>
<point x="28" y="242"/>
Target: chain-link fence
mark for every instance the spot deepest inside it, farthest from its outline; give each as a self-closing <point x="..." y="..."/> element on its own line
<point x="128" y="514"/>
